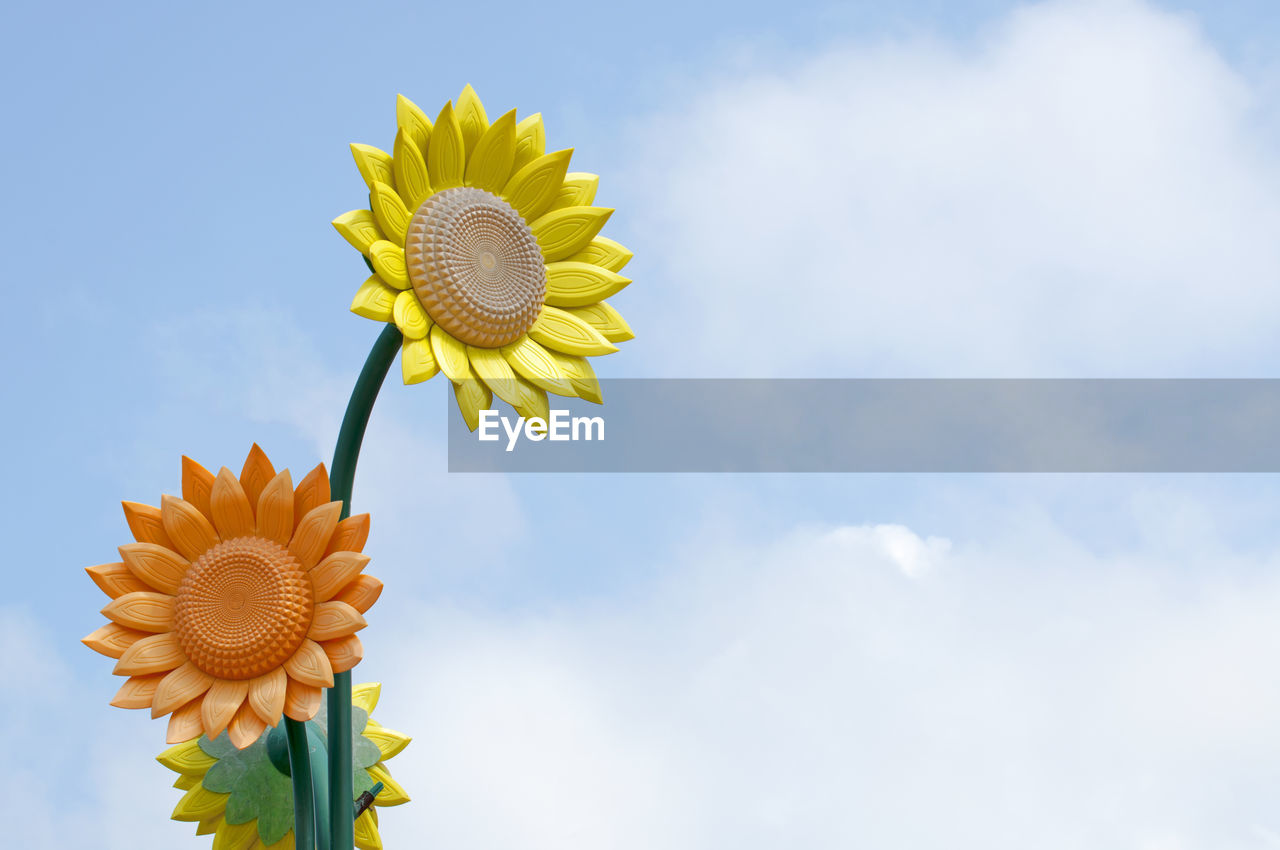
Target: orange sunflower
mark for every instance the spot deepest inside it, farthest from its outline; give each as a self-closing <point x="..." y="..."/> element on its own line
<point x="238" y="602"/>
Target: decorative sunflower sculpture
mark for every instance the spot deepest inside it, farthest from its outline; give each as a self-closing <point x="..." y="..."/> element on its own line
<point x="487" y="256"/>
<point x="245" y="797"/>
<point x="237" y="603"/>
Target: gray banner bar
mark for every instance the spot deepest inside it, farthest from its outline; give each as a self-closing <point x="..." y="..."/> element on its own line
<point x="925" y="425"/>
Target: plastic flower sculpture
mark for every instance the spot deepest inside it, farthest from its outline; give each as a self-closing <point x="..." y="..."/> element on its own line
<point x="487" y="256"/>
<point x="237" y="603"/>
<point x="245" y="797"/>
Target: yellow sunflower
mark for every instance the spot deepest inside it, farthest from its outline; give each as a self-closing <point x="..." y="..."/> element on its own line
<point x="238" y="602"/>
<point x="487" y="256"/>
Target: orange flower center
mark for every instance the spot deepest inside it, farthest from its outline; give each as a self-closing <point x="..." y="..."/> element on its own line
<point x="243" y="608"/>
<point x="475" y="266"/>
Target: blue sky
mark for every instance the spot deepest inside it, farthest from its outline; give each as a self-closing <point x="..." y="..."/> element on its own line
<point x="863" y="189"/>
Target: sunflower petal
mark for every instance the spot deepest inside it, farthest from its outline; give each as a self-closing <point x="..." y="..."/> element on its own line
<point x="310" y="666"/>
<point x="393" y="794"/>
<point x="245" y="727"/>
<point x="200" y="804"/>
<point x="116" y="580"/>
<point x="160" y="568"/>
<point x="580" y="375"/>
<point x="197" y="484"/>
<point x="472" y="397"/>
<point x="417" y="362"/>
<point x="359" y="228"/>
<point x="186" y="783"/>
<point x="145" y="523"/>
<point x="142" y="610"/>
<point x="536" y="365"/>
<point x="413" y="121"/>
<point x="374" y="299"/>
<point x="531" y="401"/>
<point x="112" y="639"/>
<point x="229" y="504"/>
<point x="301" y="701"/>
<point x="606" y="320"/>
<point x="566" y="333"/>
<point x="256" y="474"/>
<point x="451" y="355"/>
<point x="531" y="141"/>
<point x="220" y="704"/>
<point x="388" y="261"/>
<point x="489" y="165"/>
<point x="361" y="592"/>
<point x="179" y="688"/>
<point x="388" y="741"/>
<point x="578" y="189"/>
<point x="563" y="233"/>
<point x="152" y="654"/>
<point x="412" y="182"/>
<point x="312" y="492"/>
<point x="187" y="759"/>
<point x="365" y="832"/>
<point x="389" y="209"/>
<point x="344" y="652"/>
<point x="235" y="836"/>
<point x="573" y="284"/>
<point x="334" y="620"/>
<point x="313" y="533"/>
<point x="365" y="696"/>
<point x="532" y="189"/>
<point x="189" y="529"/>
<point x="446" y="155"/>
<point x="411" y="319"/>
<point x="335" y="572"/>
<point x="375" y="166"/>
<point x="605" y="253"/>
<point x="472" y="119"/>
<point x="351" y="535"/>
<point x="138" y="691"/>
<point x="495" y="371"/>
<point x="210" y="826"/>
<point x="267" y="693"/>
<point x="275" y="509"/>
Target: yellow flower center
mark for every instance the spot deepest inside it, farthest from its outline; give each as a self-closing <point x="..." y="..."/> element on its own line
<point x="243" y="608"/>
<point x="475" y="266"/>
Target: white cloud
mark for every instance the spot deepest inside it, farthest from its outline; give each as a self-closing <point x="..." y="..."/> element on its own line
<point x="1085" y="191"/>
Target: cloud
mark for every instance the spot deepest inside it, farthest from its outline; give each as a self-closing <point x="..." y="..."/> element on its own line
<point x="1087" y="189"/>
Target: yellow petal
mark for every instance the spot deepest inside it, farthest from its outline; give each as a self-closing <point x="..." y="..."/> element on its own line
<point x="451" y="355"/>
<point x="186" y="783"/>
<point x="365" y="832"/>
<point x="472" y="397"/>
<point x="531" y="141"/>
<point x="580" y="375"/>
<point x="267" y="693"/>
<point x="366" y="695"/>
<point x="275" y="509"/>
<point x="415" y="124"/>
<point x="388" y="261"/>
<point x="536" y="365"/>
<point x="187" y="758"/>
<point x="496" y="373"/>
<point x="566" y="333"/>
<point x="417" y="362"/>
<point x="375" y="166"/>
<point x="571" y="284"/>
<point x="197" y="484"/>
<point x="116" y="580"/>
<point x="359" y="228"/>
<point x="312" y="492"/>
<point x="563" y="233"/>
<point x="245" y="728"/>
<point x="112" y="639"/>
<point x="138" y="691"/>
<point x="334" y="620"/>
<point x="605" y="253"/>
<point x="154" y="654"/>
<point x="210" y="826"/>
<point x="412" y="182"/>
<point x="335" y="572"/>
<point x="142" y="610"/>
<point x="179" y="688"/>
<point x="446" y="155"/>
<point x="410" y="318"/>
<point x="471" y="118"/>
<point x="532" y="189"/>
<point x="531" y="401"/>
<point x="388" y="741"/>
<point x="201" y="804"/>
<point x="235" y="836"/>
<point x="606" y="320"/>
<point x="489" y="165"/>
<point x="256" y="474"/>
<point x="310" y="666"/>
<point x="221" y="703"/>
<point x="578" y="189"/>
<point x="390" y="211"/>
<point x="232" y="513"/>
<point x="344" y="652"/>
<point x="374" y="299"/>
<point x="392" y="794"/>
<point x="145" y="523"/>
<point x="362" y="591"/>
<point x="192" y="534"/>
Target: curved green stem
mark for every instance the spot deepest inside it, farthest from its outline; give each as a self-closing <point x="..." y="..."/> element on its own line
<point x="304" y="816"/>
<point x="341" y="479"/>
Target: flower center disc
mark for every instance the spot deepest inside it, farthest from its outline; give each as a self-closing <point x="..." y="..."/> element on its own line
<point x="475" y="266"/>
<point x="243" y="608"/>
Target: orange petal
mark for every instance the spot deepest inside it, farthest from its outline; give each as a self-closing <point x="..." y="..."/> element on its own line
<point x="197" y="484"/>
<point x="153" y="654"/>
<point x="361" y="593"/>
<point x="115" y="580"/>
<point x="310" y="666"/>
<point x="267" y="693"/>
<point x="350" y="536"/>
<point x="190" y="530"/>
<point x="142" y="610"/>
<point x="230" y="508"/>
<point x="344" y="653"/>
<point x="246" y="727"/>
<point x="275" y="509"/>
<point x="184" y="724"/>
<point x="161" y="568"/>
<point x="112" y="640"/>
<point x="145" y="523"/>
<point x="256" y="473"/>
<point x="138" y="691"/>
<point x="221" y="704"/>
<point x="313" y="532"/>
<point x="301" y="702"/>
<point x="179" y="688"/>
<point x="312" y="492"/>
<point x="334" y="620"/>
<point x="336" y="572"/>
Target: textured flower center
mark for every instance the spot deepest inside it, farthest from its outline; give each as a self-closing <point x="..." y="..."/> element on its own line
<point x="243" y="608"/>
<point x="475" y="266"/>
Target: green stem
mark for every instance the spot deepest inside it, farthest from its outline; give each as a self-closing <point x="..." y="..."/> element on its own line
<point x="304" y="817"/>
<point x="342" y="475"/>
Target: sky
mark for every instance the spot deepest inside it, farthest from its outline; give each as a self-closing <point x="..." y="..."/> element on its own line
<point x="922" y="189"/>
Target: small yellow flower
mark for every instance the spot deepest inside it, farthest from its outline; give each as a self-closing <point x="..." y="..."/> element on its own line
<point x="238" y="602"/>
<point x="486" y="254"/>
